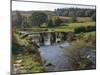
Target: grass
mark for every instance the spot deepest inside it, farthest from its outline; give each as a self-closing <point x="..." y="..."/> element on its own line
<point x="87" y="35"/>
<point x="66" y="27"/>
<point x="31" y="64"/>
<point x="78" y="49"/>
<point x="75" y="25"/>
<point x="79" y="19"/>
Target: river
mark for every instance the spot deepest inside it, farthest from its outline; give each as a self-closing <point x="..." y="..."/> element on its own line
<point x="54" y="58"/>
<point x="53" y="55"/>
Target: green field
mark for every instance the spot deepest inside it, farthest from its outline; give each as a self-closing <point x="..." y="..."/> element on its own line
<point x="65" y="27"/>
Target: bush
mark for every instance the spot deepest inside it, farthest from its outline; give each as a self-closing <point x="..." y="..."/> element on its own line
<point x="77" y="52"/>
<point x="80" y="29"/>
<point x="57" y="22"/>
<point x="90" y="38"/>
<point x="50" y="23"/>
<point x="90" y="28"/>
<point x="29" y="54"/>
<point x="85" y="29"/>
<point x="70" y="36"/>
<point x="80" y="36"/>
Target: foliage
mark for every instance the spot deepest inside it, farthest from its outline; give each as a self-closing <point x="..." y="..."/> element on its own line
<point x="64" y="27"/>
<point x="25" y="22"/>
<point x="80" y="29"/>
<point x="88" y="37"/>
<point x="17" y="20"/>
<point x="57" y="22"/>
<point x="79" y="12"/>
<point x="78" y="53"/>
<point x="91" y="38"/>
<point x="15" y="43"/>
<point x="30" y="65"/>
<point x="38" y="18"/>
<point x="93" y="17"/>
<point x="50" y="23"/>
<point x="90" y="28"/>
<point x="85" y="29"/>
<point x="70" y="36"/>
<point x="28" y="51"/>
<point x="80" y="35"/>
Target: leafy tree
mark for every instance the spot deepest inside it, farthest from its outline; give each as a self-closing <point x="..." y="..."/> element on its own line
<point x="88" y="13"/>
<point x="38" y="18"/>
<point x="50" y="23"/>
<point x="93" y="17"/>
<point x="25" y="22"/>
<point x="79" y="12"/>
<point x="18" y="19"/>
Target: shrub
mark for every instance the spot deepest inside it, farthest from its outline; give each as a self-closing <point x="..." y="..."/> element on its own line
<point x="70" y="36"/>
<point x="29" y="54"/>
<point x="80" y="29"/>
<point x="80" y="36"/>
<point x="58" y="22"/>
<point x="50" y="23"/>
<point x="77" y="52"/>
<point x="90" y="28"/>
<point x="90" y="38"/>
<point x="85" y="29"/>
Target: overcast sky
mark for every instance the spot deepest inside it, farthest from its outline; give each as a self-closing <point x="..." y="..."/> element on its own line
<point x="28" y="6"/>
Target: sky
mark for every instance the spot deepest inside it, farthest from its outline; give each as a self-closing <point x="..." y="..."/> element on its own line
<point x="29" y="6"/>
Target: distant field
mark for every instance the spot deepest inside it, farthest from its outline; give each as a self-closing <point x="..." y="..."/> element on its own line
<point x="66" y="27"/>
<point x="27" y="15"/>
<point x="79" y="19"/>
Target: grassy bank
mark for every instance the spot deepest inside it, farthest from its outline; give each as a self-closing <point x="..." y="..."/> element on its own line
<point x="26" y="57"/>
<point x="82" y="51"/>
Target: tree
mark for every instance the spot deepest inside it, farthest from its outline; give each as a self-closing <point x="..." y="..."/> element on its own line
<point x="93" y="17"/>
<point x="24" y="23"/>
<point x="50" y="23"/>
<point x="79" y="12"/>
<point x="17" y="19"/>
<point x="38" y="18"/>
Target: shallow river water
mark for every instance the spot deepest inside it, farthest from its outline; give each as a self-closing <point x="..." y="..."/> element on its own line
<point x="54" y="58"/>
